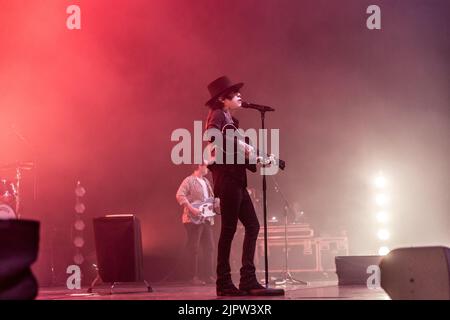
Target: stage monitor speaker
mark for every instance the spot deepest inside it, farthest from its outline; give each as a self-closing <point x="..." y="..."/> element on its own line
<point x="352" y="270"/>
<point x="19" y="246"/>
<point x="119" y="248"/>
<point x="421" y="273"/>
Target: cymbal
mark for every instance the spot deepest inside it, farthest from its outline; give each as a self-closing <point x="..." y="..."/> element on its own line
<point x="23" y="165"/>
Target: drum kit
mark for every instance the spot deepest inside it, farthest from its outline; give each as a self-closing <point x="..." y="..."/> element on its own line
<point x="10" y="191"/>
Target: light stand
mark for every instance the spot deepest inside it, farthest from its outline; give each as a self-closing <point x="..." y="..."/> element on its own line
<point x="287" y="277"/>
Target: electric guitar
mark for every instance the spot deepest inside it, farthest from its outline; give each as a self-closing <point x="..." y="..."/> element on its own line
<point x="206" y="210"/>
<point x="252" y="152"/>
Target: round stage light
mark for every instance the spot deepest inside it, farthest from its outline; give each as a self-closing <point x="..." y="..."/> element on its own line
<point x="380" y="181"/>
<point x="79" y="225"/>
<point x="78" y="258"/>
<point x="78" y="242"/>
<point x="383" y="234"/>
<point x="80" y="208"/>
<point x="382" y="217"/>
<point x="79" y="190"/>
<point x="383" y="251"/>
<point x="381" y="199"/>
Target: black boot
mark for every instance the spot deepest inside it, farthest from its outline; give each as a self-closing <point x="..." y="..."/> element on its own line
<point x="258" y="290"/>
<point x="229" y="290"/>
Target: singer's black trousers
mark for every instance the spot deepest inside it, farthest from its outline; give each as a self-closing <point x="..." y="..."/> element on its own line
<point x="235" y="204"/>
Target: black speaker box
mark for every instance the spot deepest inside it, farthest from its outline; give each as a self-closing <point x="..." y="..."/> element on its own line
<point x="421" y="273"/>
<point x="352" y="270"/>
<point x="119" y="248"/>
<point x="19" y="246"/>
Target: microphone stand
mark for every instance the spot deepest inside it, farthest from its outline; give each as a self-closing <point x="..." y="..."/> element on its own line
<point x="264" y="188"/>
<point x="287" y="278"/>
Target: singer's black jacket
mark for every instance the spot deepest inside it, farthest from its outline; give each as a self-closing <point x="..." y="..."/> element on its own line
<point x="226" y="175"/>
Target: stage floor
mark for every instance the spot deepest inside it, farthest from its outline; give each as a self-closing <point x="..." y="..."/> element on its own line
<point x="312" y="291"/>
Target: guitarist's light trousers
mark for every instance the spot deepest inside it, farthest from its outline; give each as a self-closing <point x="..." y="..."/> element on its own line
<point x="199" y="235"/>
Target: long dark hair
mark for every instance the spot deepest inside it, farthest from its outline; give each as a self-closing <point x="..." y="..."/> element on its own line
<point x="216" y="105"/>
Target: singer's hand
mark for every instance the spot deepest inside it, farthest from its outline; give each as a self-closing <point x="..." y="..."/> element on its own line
<point x="266" y="161"/>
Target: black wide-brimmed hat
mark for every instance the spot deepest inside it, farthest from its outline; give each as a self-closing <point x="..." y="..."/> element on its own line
<point x="220" y="87"/>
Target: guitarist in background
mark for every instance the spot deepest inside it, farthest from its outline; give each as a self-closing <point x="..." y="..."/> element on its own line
<point x="196" y="189"/>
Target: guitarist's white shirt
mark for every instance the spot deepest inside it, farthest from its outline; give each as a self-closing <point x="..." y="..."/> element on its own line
<point x="204" y="187"/>
<point x="190" y="191"/>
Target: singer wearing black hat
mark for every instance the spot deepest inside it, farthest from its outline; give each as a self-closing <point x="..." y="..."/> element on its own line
<point x="230" y="185"/>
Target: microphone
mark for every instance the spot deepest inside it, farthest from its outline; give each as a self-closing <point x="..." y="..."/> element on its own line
<point x="248" y="105"/>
